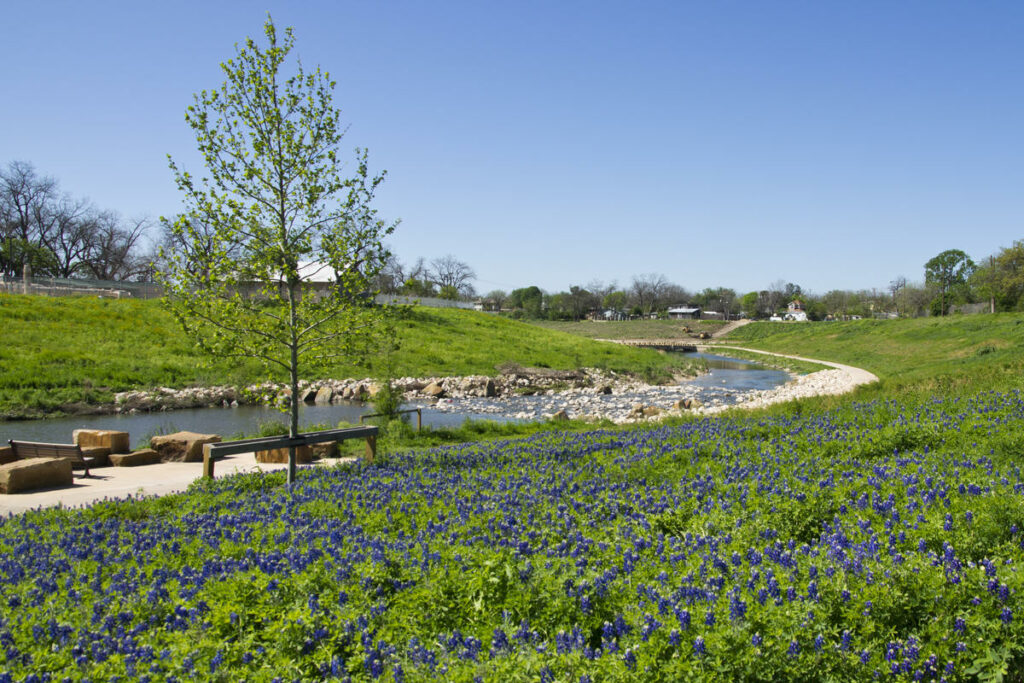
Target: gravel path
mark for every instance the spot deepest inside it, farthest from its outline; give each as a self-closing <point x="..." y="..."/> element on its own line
<point x="840" y="380"/>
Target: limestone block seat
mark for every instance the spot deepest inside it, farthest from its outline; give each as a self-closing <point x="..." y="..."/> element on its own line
<point x="182" y="446"/>
<point x="35" y="473"/>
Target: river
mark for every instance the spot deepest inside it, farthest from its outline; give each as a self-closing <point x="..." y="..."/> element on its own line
<point x="727" y="377"/>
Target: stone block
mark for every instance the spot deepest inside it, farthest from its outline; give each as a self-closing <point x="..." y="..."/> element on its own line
<point x="6" y="455"/>
<point x="117" y="442"/>
<point x="182" y="446"/>
<point x="325" y="450"/>
<point x="101" y="455"/>
<point x="145" y="456"/>
<point x="303" y="455"/>
<point x="35" y="473"/>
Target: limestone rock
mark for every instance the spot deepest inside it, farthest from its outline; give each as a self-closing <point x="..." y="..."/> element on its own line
<point x="6" y="455"/>
<point x="35" y="473"/>
<point x="651" y="411"/>
<point x="560" y="416"/>
<point x="182" y="446"/>
<point x="434" y="390"/>
<point x="325" y="450"/>
<point x="100" y="455"/>
<point x="145" y="456"/>
<point x="324" y="396"/>
<point x="490" y="391"/>
<point x="303" y="455"/>
<point x="308" y="395"/>
<point x="117" y="442"/>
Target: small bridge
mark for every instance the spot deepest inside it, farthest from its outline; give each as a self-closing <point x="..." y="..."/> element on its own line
<point x="679" y="345"/>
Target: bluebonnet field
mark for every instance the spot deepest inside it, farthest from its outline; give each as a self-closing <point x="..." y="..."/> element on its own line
<point x="876" y="540"/>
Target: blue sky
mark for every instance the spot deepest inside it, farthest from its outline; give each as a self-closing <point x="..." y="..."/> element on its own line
<point x="830" y="144"/>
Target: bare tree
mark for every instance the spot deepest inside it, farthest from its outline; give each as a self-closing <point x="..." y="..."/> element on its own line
<point x="447" y="272"/>
<point x="895" y="287"/>
<point x="648" y="290"/>
<point x="112" y="253"/>
<point x="497" y="297"/>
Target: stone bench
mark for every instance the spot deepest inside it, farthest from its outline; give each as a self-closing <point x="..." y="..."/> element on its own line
<point x="182" y="446"/>
<point x="35" y="473"/>
<point x="144" y="456"/>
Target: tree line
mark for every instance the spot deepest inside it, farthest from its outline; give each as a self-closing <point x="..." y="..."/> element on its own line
<point x="952" y="282"/>
<point x="58" y="235"/>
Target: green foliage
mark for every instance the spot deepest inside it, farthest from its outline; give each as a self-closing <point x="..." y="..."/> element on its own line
<point x="280" y="270"/>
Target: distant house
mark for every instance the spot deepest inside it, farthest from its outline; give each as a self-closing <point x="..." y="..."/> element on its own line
<point x="684" y="313"/>
<point x="611" y="314"/>
<point x="795" y="311"/>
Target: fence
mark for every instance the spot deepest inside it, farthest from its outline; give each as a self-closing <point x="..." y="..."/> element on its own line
<point x="55" y="286"/>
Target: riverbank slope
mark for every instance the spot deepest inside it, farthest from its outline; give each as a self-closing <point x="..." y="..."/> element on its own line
<point x="63" y="355"/>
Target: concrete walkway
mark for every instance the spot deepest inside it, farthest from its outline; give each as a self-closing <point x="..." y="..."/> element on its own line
<point x="148" y="480"/>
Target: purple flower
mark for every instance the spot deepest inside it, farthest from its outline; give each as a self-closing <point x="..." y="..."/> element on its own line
<point x="698" y="646"/>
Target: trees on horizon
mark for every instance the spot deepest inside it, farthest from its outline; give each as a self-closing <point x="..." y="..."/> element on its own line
<point x="58" y="235"/>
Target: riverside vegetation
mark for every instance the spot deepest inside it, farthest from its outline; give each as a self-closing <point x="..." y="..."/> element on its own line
<point x="877" y="535"/>
<point x="72" y="355"/>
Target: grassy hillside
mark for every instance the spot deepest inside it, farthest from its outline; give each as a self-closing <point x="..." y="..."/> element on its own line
<point x="62" y="354"/>
<point x="927" y="355"/>
<point x="631" y="329"/>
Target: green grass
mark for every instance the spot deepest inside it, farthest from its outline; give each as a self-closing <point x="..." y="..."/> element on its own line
<point x="632" y="329"/>
<point x="67" y="355"/>
<point x="957" y="354"/>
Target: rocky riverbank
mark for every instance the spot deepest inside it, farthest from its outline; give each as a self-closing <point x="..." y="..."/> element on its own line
<point x="517" y="393"/>
<point x="513" y="382"/>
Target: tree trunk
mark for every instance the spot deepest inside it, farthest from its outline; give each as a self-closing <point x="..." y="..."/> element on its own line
<point x="293" y="348"/>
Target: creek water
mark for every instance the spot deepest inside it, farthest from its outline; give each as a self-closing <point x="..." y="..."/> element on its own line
<point x="725" y="377"/>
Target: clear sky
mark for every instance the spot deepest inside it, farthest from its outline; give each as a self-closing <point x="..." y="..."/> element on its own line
<point x="830" y="144"/>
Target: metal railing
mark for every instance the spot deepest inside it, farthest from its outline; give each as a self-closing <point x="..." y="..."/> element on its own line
<point x="213" y="451"/>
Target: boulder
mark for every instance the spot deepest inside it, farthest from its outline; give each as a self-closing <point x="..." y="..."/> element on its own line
<point x="35" y="473"/>
<point x="308" y="395"/>
<point x="651" y="411"/>
<point x="182" y="446"/>
<point x="6" y="455"/>
<point x="101" y="455"/>
<point x="117" y="442"/>
<point x="434" y="390"/>
<point x="373" y="389"/>
<point x="145" y="456"/>
<point x="605" y="389"/>
<point x="325" y="450"/>
<point x="324" y="396"/>
<point x="560" y="416"/>
<point x="303" y="455"/>
<point x="490" y="391"/>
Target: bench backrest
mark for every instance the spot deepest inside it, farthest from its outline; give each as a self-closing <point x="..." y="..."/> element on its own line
<point x="35" y="449"/>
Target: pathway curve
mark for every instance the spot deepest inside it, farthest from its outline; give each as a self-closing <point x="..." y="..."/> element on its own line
<point x="840" y="379"/>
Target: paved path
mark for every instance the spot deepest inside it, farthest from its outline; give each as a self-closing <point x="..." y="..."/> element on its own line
<point x="148" y="480"/>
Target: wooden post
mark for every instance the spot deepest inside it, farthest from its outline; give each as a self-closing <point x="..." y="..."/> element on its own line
<point x="371" y="447"/>
<point x="207" y="462"/>
<point x="419" y="420"/>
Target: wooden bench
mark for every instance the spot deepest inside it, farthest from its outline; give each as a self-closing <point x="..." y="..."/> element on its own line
<point x="32" y="449"/>
<point x="215" y="451"/>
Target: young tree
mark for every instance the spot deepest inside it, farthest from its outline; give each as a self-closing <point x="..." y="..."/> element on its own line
<point x="947" y="273"/>
<point x="281" y="217"/>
